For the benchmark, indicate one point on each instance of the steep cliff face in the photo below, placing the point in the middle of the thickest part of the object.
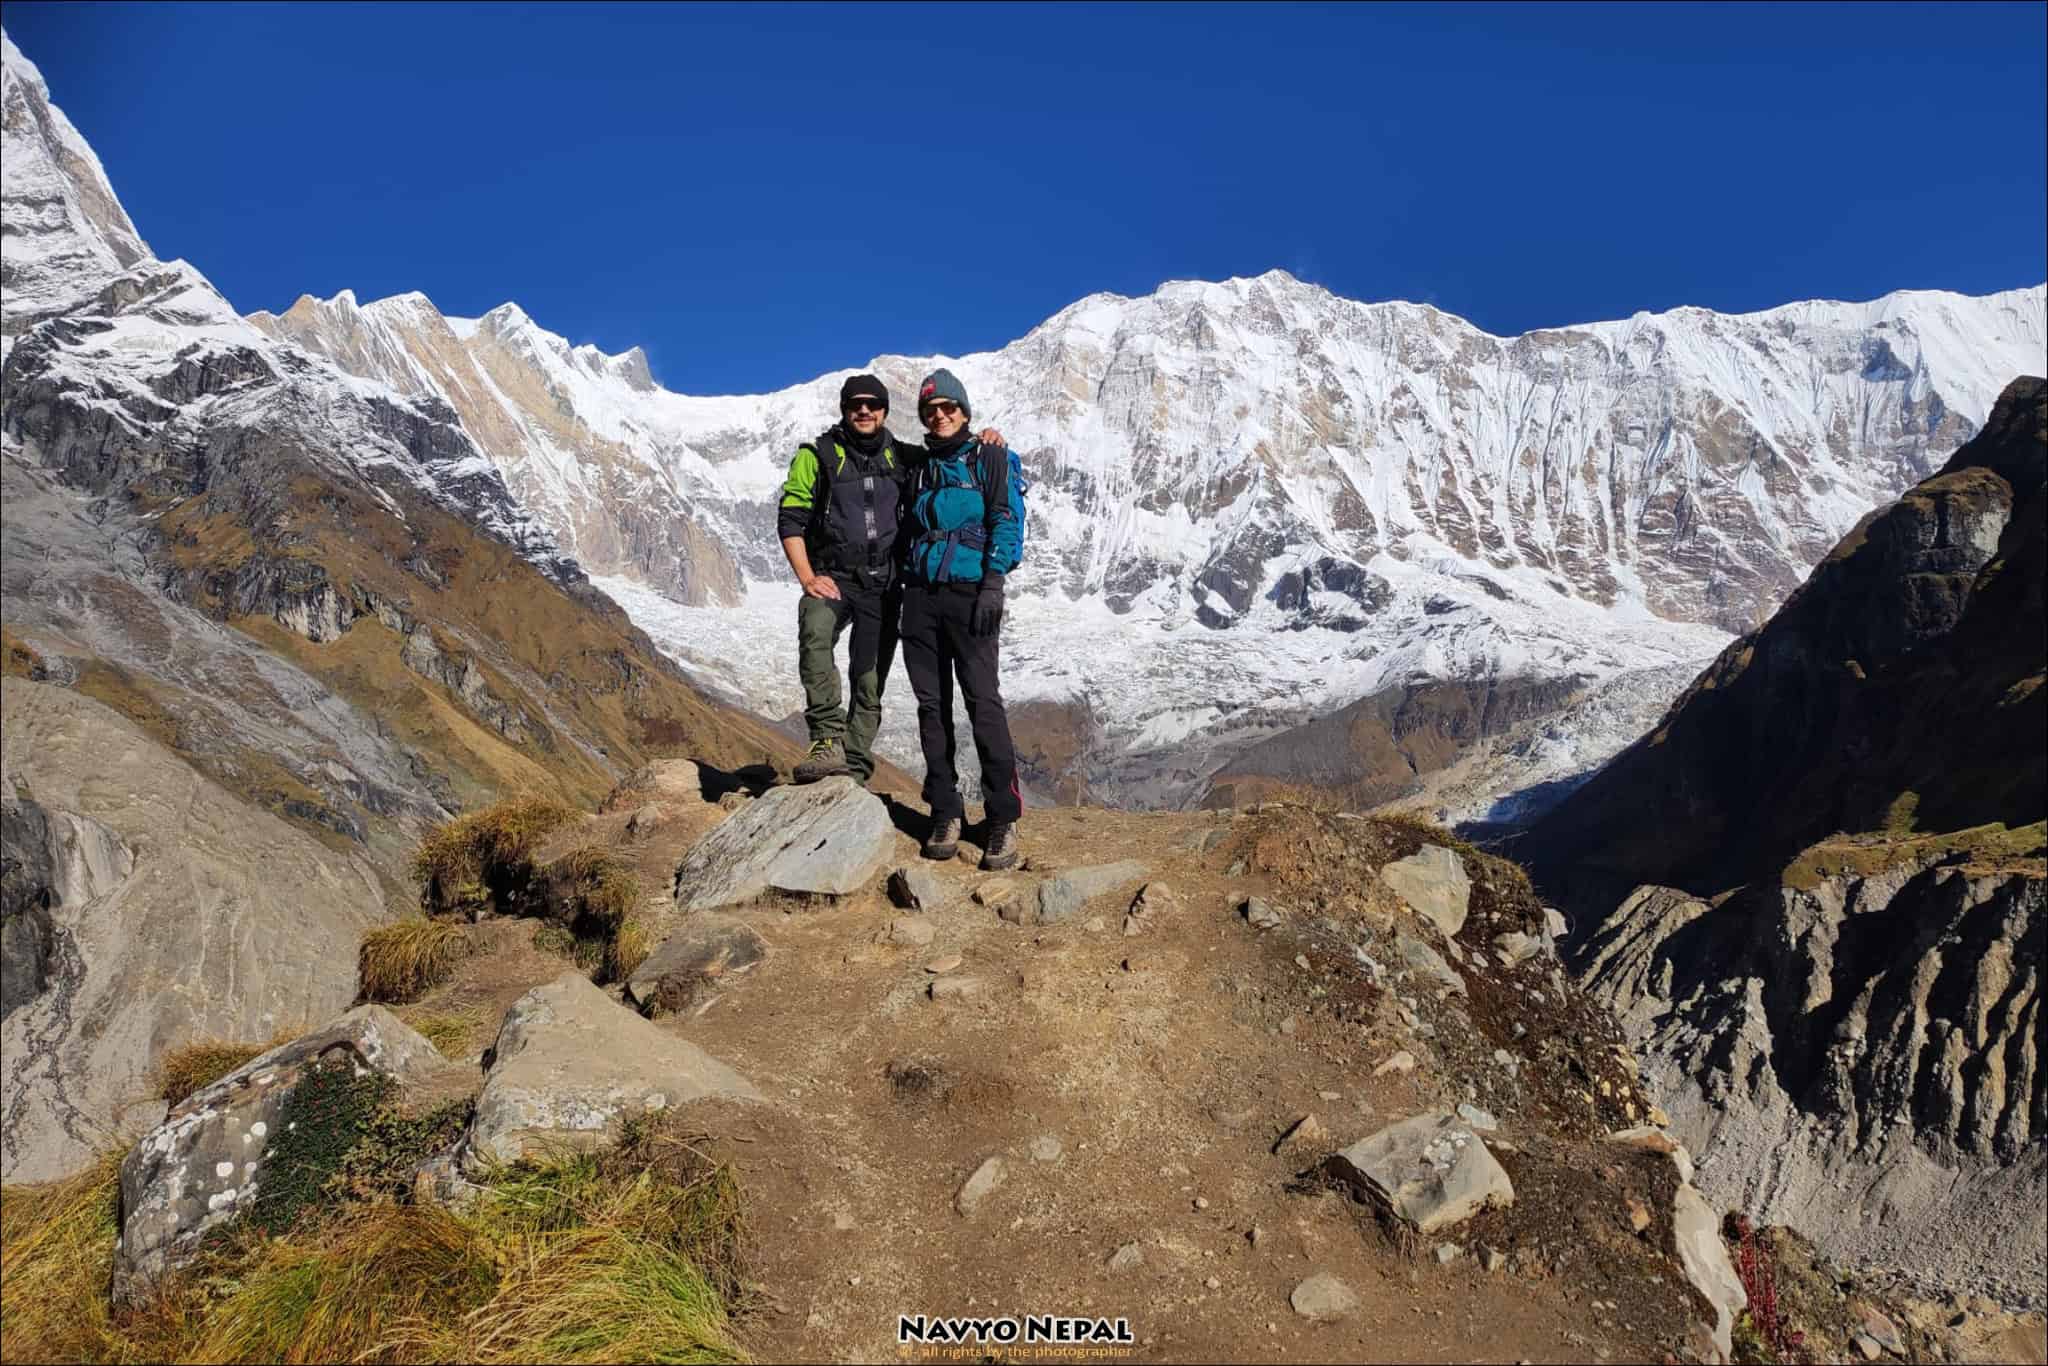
(1834, 952)
(1894, 690)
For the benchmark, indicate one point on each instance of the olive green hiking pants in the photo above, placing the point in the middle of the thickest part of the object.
(872, 614)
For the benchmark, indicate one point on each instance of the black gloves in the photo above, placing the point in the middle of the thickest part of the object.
(988, 607)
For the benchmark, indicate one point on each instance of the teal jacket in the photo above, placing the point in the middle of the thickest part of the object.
(960, 526)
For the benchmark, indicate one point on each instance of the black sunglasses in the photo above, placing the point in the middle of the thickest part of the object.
(867, 405)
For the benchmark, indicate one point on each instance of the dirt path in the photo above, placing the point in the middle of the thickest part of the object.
(1133, 1089)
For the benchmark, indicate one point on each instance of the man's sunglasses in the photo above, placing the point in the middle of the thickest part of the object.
(939, 405)
(867, 405)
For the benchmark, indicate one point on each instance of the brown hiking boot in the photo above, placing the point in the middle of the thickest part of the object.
(1000, 850)
(827, 759)
(944, 840)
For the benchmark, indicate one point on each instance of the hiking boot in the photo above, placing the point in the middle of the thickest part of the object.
(944, 841)
(1000, 851)
(827, 759)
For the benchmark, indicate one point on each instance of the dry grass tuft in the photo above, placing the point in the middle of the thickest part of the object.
(452, 1032)
(203, 1062)
(591, 883)
(482, 860)
(628, 949)
(399, 961)
(629, 1254)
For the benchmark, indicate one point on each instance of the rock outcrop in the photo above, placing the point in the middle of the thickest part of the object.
(1430, 1172)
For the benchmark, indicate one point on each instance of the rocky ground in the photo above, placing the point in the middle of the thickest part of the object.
(1165, 1072)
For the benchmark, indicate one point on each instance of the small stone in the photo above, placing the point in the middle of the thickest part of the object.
(1446, 1253)
(644, 820)
(1289, 1025)
(1638, 1215)
(1126, 1257)
(1305, 1135)
(1658, 1117)
(1867, 1346)
(917, 889)
(980, 1186)
(1095, 924)
(1329, 1095)
(1478, 1118)
(1323, 1298)
(1258, 1237)
(1494, 1259)
(912, 931)
(1201, 1203)
(995, 892)
(1259, 915)
(1046, 1148)
(944, 965)
(1403, 1061)
(955, 988)
(1213, 1283)
(1883, 1331)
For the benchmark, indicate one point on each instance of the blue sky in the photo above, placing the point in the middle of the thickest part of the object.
(763, 193)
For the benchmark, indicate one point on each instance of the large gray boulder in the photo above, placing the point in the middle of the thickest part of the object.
(207, 1162)
(175, 912)
(1063, 894)
(823, 839)
(570, 1066)
(710, 951)
(1431, 1171)
(1434, 882)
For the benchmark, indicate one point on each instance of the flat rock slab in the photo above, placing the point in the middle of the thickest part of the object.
(823, 839)
(1060, 896)
(978, 1187)
(568, 1068)
(1431, 1171)
(1433, 881)
(1696, 1230)
(206, 1162)
(708, 952)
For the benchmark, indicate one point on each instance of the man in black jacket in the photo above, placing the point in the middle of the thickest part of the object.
(837, 522)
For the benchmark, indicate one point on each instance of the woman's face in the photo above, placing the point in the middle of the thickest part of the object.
(942, 418)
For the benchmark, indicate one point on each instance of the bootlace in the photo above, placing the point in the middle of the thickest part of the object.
(819, 747)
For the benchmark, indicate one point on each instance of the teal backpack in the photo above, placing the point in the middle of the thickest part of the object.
(975, 536)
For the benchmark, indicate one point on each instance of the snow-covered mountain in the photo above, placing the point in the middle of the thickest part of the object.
(1257, 502)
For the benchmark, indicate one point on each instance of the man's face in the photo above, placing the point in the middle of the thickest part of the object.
(864, 413)
(942, 418)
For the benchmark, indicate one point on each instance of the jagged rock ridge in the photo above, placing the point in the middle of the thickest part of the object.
(1851, 1035)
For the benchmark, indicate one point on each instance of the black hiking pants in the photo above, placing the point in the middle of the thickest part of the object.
(937, 648)
(871, 612)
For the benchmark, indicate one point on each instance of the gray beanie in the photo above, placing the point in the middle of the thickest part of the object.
(943, 384)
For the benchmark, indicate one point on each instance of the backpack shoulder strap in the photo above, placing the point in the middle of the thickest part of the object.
(995, 483)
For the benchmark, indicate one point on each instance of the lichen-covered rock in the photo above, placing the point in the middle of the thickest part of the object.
(570, 1066)
(207, 1161)
(822, 839)
(1434, 882)
(1430, 1171)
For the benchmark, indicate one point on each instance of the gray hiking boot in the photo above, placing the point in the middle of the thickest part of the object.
(827, 759)
(1000, 851)
(944, 841)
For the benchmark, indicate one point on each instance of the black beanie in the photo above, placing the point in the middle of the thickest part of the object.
(863, 386)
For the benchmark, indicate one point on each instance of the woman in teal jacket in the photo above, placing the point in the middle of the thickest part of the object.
(963, 539)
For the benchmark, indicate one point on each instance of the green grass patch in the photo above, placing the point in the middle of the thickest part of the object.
(453, 1033)
(1996, 845)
